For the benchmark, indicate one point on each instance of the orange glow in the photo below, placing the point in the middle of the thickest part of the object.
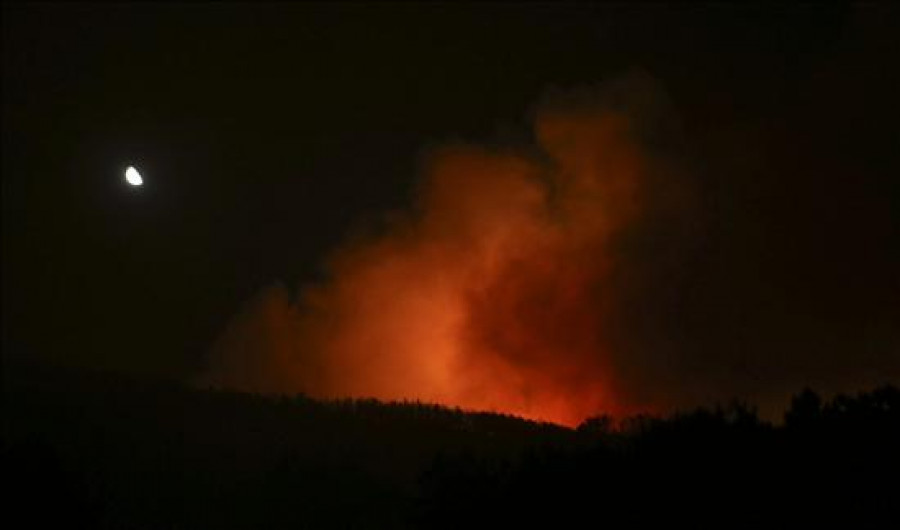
(493, 294)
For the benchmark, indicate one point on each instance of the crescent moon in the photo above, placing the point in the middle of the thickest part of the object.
(133, 177)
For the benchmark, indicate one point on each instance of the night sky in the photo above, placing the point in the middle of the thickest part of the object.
(274, 138)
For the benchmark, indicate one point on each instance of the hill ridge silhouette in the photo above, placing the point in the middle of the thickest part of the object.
(106, 450)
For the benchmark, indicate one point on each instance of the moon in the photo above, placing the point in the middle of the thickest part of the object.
(133, 177)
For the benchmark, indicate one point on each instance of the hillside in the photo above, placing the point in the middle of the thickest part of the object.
(109, 451)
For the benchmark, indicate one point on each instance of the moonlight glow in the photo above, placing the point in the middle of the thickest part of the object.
(133, 177)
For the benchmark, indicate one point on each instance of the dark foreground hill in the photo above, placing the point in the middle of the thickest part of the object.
(90, 450)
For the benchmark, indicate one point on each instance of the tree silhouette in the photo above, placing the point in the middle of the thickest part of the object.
(805, 409)
(104, 451)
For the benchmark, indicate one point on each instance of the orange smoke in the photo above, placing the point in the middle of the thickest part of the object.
(494, 293)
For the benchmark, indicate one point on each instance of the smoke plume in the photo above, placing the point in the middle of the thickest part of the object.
(577, 275)
(495, 292)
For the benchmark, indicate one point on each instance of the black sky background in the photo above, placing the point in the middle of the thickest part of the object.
(266, 134)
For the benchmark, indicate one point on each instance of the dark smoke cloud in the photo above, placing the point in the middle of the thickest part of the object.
(591, 272)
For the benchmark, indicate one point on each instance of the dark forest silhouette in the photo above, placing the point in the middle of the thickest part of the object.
(107, 451)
